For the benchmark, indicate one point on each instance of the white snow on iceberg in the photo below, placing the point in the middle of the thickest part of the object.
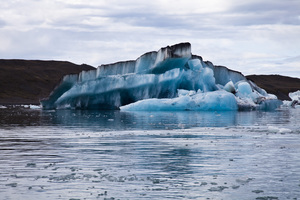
(169, 79)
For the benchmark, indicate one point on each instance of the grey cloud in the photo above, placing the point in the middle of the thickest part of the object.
(266, 5)
(151, 20)
(266, 12)
(97, 33)
(2, 23)
(245, 14)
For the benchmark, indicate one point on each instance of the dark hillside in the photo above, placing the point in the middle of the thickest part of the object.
(281, 86)
(28, 81)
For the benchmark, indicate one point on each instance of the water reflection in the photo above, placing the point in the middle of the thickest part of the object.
(75, 154)
(117, 120)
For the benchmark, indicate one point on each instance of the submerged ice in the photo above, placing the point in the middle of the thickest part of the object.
(169, 79)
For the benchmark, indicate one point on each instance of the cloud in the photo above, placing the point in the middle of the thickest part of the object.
(238, 34)
(266, 12)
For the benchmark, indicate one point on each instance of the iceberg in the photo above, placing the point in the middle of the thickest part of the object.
(171, 78)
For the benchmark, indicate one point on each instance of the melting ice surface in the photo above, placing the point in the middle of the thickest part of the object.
(170, 79)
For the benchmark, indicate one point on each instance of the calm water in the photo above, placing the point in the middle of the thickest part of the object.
(69, 154)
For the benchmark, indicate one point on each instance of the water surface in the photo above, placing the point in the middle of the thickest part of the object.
(72, 154)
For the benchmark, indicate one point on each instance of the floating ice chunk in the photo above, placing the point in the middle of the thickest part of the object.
(250, 99)
(244, 180)
(30, 106)
(269, 104)
(31, 165)
(295, 103)
(274, 129)
(34, 106)
(2, 107)
(295, 95)
(217, 189)
(285, 130)
(217, 100)
(286, 103)
(245, 104)
(12, 184)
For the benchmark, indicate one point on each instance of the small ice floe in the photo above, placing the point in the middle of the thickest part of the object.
(31, 165)
(235, 187)
(34, 106)
(30, 106)
(257, 191)
(243, 181)
(295, 100)
(2, 107)
(217, 189)
(274, 129)
(12, 184)
(267, 198)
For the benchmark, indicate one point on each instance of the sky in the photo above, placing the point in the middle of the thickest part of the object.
(253, 36)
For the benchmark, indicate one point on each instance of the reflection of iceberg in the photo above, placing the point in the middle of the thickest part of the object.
(103, 120)
(170, 79)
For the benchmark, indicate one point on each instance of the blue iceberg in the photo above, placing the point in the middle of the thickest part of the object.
(169, 79)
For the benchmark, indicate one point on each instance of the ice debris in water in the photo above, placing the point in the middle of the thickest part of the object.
(267, 198)
(12, 184)
(30, 165)
(274, 129)
(295, 100)
(30, 106)
(169, 79)
(217, 189)
(34, 106)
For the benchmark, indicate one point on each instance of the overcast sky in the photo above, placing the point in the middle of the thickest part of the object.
(252, 36)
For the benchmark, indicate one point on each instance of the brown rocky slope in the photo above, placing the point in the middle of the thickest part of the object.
(28, 81)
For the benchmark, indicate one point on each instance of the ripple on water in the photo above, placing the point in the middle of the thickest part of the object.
(67, 161)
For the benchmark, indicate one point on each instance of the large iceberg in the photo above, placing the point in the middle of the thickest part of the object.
(169, 79)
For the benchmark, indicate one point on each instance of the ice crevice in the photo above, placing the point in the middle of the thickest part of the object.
(171, 78)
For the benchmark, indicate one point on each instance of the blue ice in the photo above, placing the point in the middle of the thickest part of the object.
(169, 79)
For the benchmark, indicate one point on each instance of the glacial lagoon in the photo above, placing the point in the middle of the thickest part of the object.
(89, 154)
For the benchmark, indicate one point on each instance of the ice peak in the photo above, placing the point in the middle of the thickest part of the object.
(178, 50)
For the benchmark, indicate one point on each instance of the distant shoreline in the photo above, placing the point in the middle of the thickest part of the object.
(24, 82)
